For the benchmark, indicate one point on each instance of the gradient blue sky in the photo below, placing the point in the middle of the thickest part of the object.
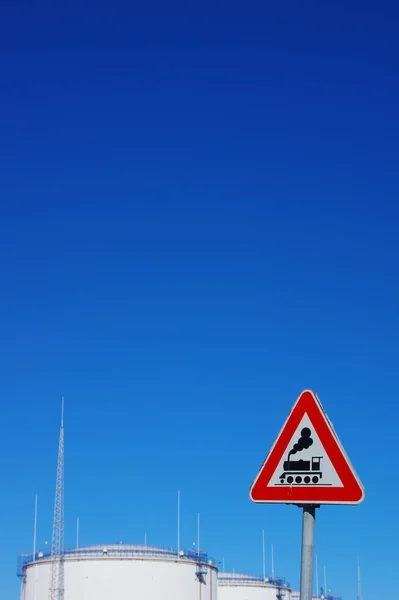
(199, 218)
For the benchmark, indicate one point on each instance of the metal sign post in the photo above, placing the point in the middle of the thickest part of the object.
(308, 522)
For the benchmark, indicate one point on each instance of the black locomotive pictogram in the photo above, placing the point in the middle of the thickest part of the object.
(297, 472)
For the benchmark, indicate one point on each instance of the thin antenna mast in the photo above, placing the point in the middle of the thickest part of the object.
(198, 535)
(34, 545)
(325, 580)
(77, 532)
(272, 561)
(56, 591)
(359, 585)
(34, 529)
(263, 555)
(317, 578)
(178, 523)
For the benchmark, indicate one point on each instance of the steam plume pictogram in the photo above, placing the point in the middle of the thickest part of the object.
(304, 442)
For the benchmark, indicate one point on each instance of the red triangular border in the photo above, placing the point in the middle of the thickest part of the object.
(352, 491)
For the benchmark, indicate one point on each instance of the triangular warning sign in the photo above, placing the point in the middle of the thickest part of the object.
(307, 464)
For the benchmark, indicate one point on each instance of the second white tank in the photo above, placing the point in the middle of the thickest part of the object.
(238, 586)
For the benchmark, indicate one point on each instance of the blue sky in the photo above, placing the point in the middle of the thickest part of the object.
(199, 216)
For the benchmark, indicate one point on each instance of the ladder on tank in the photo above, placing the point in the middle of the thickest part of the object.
(201, 571)
(280, 594)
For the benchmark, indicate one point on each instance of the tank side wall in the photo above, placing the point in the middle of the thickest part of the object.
(248, 592)
(118, 579)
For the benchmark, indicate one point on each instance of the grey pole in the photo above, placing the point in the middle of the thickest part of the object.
(309, 514)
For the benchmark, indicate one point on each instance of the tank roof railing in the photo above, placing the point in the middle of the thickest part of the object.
(252, 579)
(120, 551)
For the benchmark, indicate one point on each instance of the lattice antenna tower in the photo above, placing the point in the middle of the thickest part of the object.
(56, 591)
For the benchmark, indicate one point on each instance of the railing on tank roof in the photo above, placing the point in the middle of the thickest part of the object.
(296, 596)
(118, 550)
(255, 579)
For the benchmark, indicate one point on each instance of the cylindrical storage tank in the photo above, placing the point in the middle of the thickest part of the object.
(237, 586)
(122, 572)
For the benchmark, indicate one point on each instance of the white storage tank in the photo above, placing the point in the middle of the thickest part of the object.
(237, 586)
(123, 572)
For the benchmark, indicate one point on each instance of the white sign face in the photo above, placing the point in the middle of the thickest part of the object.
(305, 461)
